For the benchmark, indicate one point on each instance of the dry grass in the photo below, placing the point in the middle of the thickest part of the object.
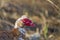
(42, 12)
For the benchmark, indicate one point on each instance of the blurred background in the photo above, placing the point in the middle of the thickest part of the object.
(44, 13)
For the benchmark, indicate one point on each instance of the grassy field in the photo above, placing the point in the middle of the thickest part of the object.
(44, 13)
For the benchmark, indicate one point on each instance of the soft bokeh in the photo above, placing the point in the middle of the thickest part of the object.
(44, 13)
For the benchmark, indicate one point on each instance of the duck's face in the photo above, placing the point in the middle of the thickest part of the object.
(22, 22)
